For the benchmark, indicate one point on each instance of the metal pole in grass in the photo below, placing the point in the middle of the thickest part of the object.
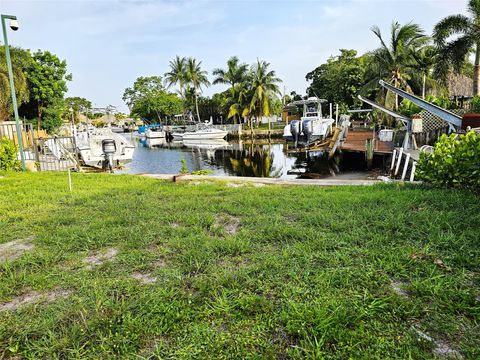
(69, 180)
(14, 27)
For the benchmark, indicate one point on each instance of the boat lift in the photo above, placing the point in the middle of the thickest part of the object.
(454, 121)
(408, 141)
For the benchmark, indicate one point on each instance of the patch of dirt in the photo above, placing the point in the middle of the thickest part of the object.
(259, 184)
(99, 257)
(235, 185)
(397, 288)
(175, 225)
(145, 279)
(228, 222)
(14, 249)
(160, 263)
(444, 350)
(441, 349)
(34, 297)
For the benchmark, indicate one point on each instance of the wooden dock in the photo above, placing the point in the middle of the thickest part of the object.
(356, 140)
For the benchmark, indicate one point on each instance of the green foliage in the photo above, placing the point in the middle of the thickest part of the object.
(340, 79)
(148, 99)
(202, 172)
(21, 60)
(409, 109)
(78, 105)
(184, 168)
(8, 155)
(47, 78)
(475, 104)
(455, 162)
(456, 37)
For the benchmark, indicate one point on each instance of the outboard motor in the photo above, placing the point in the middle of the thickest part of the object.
(296, 130)
(109, 147)
(307, 128)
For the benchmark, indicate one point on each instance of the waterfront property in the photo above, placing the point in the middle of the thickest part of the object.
(124, 266)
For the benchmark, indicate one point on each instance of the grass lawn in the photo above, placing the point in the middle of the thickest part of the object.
(131, 267)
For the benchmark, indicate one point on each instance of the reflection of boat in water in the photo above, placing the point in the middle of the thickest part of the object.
(312, 125)
(155, 132)
(209, 144)
(203, 132)
(103, 148)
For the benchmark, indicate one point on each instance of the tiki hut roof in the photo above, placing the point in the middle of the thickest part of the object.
(459, 85)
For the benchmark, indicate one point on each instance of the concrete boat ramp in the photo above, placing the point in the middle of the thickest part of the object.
(256, 181)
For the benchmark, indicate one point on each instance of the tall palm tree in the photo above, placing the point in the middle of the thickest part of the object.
(239, 98)
(456, 51)
(392, 61)
(264, 89)
(233, 75)
(425, 60)
(177, 74)
(196, 78)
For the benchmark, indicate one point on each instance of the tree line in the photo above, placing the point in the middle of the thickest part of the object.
(407, 58)
(253, 92)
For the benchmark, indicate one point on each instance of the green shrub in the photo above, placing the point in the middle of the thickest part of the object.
(8, 155)
(475, 105)
(455, 162)
(202, 172)
(184, 169)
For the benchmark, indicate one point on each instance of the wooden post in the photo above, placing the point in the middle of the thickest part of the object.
(369, 143)
(399, 161)
(336, 116)
(405, 167)
(412, 174)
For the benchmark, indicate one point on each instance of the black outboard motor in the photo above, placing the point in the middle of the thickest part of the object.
(109, 147)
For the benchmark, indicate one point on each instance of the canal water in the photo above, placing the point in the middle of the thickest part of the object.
(241, 158)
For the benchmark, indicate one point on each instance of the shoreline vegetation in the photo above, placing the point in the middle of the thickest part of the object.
(443, 67)
(130, 267)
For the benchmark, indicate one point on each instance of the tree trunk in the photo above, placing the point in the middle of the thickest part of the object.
(424, 82)
(476, 72)
(39, 118)
(196, 105)
(395, 81)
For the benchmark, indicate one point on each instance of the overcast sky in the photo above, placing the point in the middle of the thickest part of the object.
(108, 44)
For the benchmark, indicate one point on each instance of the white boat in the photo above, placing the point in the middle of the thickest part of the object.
(204, 132)
(155, 132)
(312, 125)
(102, 148)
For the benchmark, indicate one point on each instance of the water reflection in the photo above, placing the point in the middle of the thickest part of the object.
(259, 159)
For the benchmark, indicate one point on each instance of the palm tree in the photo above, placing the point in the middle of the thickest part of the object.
(239, 99)
(456, 51)
(177, 74)
(392, 62)
(264, 90)
(425, 60)
(233, 75)
(196, 77)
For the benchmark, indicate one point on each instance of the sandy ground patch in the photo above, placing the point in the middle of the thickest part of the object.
(34, 297)
(145, 279)
(228, 222)
(397, 287)
(99, 257)
(441, 349)
(14, 249)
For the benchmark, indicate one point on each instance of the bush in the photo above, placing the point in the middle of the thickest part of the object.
(475, 105)
(8, 155)
(455, 162)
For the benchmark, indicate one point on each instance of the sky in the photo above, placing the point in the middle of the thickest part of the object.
(109, 43)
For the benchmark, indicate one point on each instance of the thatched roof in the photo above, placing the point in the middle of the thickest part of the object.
(459, 85)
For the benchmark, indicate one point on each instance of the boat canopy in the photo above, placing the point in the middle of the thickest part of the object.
(310, 100)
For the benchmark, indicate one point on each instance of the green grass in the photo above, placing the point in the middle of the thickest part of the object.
(307, 275)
